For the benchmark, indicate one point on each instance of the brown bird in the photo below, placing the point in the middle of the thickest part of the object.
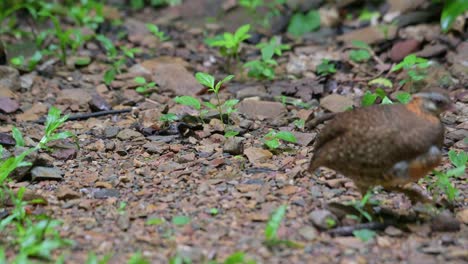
(387, 145)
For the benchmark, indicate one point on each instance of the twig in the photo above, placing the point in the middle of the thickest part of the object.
(89, 115)
(319, 120)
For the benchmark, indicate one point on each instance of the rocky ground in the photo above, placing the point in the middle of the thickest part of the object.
(121, 190)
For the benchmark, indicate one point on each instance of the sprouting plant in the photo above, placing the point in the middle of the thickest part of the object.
(452, 9)
(415, 68)
(137, 258)
(299, 123)
(443, 183)
(326, 68)
(272, 138)
(251, 5)
(364, 234)
(360, 206)
(156, 32)
(169, 117)
(93, 259)
(32, 237)
(273, 47)
(367, 15)
(264, 68)
(361, 52)
(144, 86)
(191, 102)
(272, 227)
(227, 107)
(370, 98)
(304, 23)
(230, 43)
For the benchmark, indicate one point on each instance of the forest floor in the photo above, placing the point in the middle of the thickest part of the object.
(182, 189)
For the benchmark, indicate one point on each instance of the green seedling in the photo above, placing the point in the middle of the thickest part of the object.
(93, 259)
(326, 68)
(443, 183)
(414, 67)
(157, 33)
(272, 227)
(169, 117)
(364, 234)
(301, 24)
(273, 47)
(227, 107)
(299, 123)
(122, 207)
(264, 68)
(367, 15)
(230, 43)
(155, 221)
(272, 139)
(370, 98)
(181, 220)
(452, 9)
(144, 87)
(251, 5)
(361, 52)
(193, 103)
(360, 206)
(137, 258)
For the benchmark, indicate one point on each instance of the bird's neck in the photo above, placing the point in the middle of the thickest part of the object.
(416, 106)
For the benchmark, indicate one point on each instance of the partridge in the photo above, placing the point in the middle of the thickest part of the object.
(388, 145)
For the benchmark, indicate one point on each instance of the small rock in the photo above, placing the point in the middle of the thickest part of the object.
(255, 109)
(6, 139)
(123, 222)
(129, 134)
(445, 222)
(71, 96)
(430, 51)
(257, 155)
(304, 139)
(111, 131)
(323, 219)
(403, 48)
(393, 231)
(65, 193)
(9, 78)
(98, 103)
(64, 153)
(463, 216)
(106, 193)
(458, 134)
(8, 105)
(234, 145)
(39, 173)
(149, 117)
(308, 232)
(369, 35)
(336, 103)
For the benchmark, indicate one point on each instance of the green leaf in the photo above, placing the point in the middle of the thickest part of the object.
(403, 97)
(299, 123)
(360, 44)
(210, 105)
(188, 101)
(139, 80)
(241, 33)
(226, 79)
(457, 172)
(82, 61)
(109, 76)
(364, 234)
(181, 220)
(231, 133)
(301, 24)
(137, 258)
(386, 100)
(230, 103)
(381, 82)
(458, 159)
(18, 137)
(155, 221)
(359, 55)
(235, 258)
(368, 99)
(273, 143)
(452, 9)
(205, 79)
(286, 136)
(169, 117)
(273, 224)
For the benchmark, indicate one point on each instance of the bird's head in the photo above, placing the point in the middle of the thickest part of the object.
(433, 102)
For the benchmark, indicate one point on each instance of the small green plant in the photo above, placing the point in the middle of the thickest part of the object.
(367, 15)
(443, 183)
(122, 207)
(364, 234)
(191, 102)
(301, 24)
(272, 138)
(299, 123)
(227, 107)
(169, 117)
(452, 9)
(230, 43)
(264, 68)
(361, 52)
(251, 5)
(180, 220)
(137, 258)
(326, 68)
(415, 68)
(273, 47)
(144, 87)
(272, 227)
(370, 98)
(360, 207)
(155, 221)
(93, 259)
(157, 33)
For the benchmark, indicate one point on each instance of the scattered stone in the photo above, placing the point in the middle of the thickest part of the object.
(65, 193)
(64, 153)
(458, 134)
(255, 109)
(403, 48)
(111, 131)
(336, 103)
(129, 134)
(370, 35)
(39, 173)
(234, 145)
(8, 105)
(171, 75)
(98, 103)
(445, 222)
(106, 193)
(9, 78)
(393, 231)
(257, 155)
(37, 110)
(430, 51)
(6, 139)
(463, 216)
(79, 96)
(123, 222)
(149, 117)
(308, 232)
(323, 219)
(304, 139)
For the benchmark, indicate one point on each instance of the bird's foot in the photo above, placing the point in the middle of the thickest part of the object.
(414, 193)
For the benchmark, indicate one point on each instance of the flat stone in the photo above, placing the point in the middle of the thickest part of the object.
(304, 139)
(403, 48)
(8, 105)
(255, 109)
(322, 218)
(106, 193)
(65, 193)
(463, 216)
(257, 155)
(129, 134)
(39, 173)
(369, 35)
(77, 96)
(336, 103)
(234, 145)
(10, 78)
